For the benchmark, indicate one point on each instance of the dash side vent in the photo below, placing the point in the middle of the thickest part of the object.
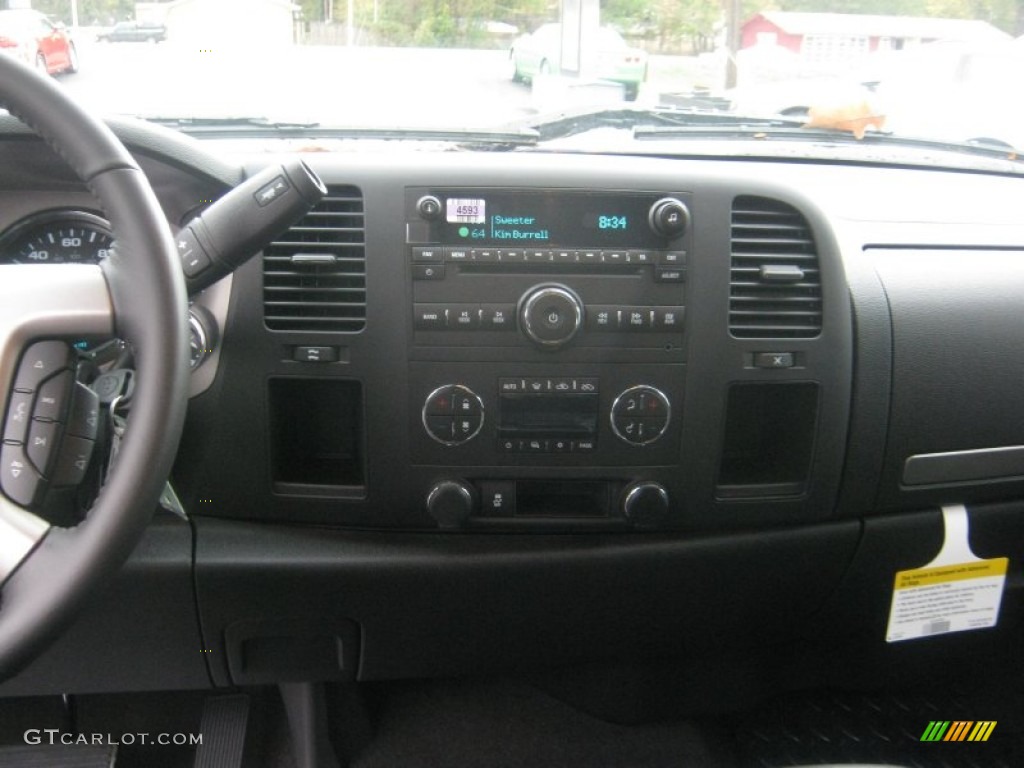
(775, 279)
(314, 275)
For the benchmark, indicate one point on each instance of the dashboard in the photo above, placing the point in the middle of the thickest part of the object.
(602, 396)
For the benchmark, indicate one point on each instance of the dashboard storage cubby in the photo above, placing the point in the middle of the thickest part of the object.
(316, 435)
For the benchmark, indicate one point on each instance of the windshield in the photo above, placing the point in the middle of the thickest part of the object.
(911, 68)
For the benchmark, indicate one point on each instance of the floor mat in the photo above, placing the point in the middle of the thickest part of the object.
(831, 727)
(509, 724)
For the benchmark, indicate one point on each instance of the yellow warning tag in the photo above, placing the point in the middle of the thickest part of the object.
(953, 593)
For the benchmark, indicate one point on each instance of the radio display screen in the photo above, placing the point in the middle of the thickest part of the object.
(544, 219)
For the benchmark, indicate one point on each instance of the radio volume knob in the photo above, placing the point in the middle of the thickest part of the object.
(669, 217)
(550, 315)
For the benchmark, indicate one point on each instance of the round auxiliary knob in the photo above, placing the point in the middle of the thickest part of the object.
(451, 502)
(669, 217)
(645, 504)
(550, 315)
(429, 208)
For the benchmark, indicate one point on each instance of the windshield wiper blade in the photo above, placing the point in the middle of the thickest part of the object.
(240, 127)
(564, 125)
(795, 132)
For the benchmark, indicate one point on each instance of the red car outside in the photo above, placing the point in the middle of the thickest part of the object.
(33, 38)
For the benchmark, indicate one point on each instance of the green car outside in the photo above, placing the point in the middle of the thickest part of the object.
(538, 54)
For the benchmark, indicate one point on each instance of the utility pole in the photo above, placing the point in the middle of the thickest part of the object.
(74, 14)
(733, 10)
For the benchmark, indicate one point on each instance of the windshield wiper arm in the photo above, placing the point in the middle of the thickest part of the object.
(232, 127)
(564, 125)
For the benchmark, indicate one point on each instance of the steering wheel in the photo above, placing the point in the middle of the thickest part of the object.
(138, 294)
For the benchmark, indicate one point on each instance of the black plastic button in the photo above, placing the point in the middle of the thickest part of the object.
(429, 317)
(498, 317)
(41, 361)
(508, 445)
(639, 257)
(466, 424)
(587, 385)
(484, 255)
(562, 256)
(428, 254)
(560, 445)
(537, 256)
(316, 354)
(507, 386)
(441, 427)
(773, 359)
(84, 416)
(194, 258)
(73, 460)
(270, 191)
(673, 259)
(670, 275)
(41, 445)
(440, 404)
(464, 317)
(428, 271)
(613, 257)
(52, 400)
(534, 445)
(19, 413)
(588, 445)
(602, 318)
(457, 254)
(669, 318)
(635, 319)
(511, 256)
(498, 497)
(19, 479)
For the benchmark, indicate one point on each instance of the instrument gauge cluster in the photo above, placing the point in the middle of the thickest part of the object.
(64, 236)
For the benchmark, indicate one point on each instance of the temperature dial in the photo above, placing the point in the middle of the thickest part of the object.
(640, 415)
(453, 414)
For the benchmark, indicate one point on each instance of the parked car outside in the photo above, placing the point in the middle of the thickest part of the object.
(134, 32)
(35, 39)
(539, 54)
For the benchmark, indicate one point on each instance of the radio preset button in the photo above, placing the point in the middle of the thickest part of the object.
(464, 317)
(511, 256)
(498, 317)
(484, 255)
(537, 256)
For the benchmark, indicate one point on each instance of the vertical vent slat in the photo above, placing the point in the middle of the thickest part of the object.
(327, 294)
(768, 234)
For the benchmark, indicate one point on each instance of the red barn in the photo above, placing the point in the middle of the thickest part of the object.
(837, 37)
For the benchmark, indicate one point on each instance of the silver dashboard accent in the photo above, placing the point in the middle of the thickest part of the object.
(20, 532)
(214, 300)
(626, 393)
(463, 390)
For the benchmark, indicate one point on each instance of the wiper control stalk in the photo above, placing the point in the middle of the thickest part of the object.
(242, 222)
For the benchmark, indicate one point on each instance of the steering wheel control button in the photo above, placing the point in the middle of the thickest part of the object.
(72, 461)
(84, 416)
(19, 414)
(550, 315)
(41, 445)
(453, 414)
(640, 415)
(41, 361)
(21, 483)
(669, 217)
(52, 400)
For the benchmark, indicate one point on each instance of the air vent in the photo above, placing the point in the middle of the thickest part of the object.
(775, 282)
(314, 275)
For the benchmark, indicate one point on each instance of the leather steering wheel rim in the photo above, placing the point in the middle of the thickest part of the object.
(143, 290)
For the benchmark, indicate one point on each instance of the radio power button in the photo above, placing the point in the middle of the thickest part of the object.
(550, 315)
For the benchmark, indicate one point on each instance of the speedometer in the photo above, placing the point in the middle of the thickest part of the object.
(57, 237)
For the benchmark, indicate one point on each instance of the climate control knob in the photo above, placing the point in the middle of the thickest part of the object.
(550, 315)
(640, 415)
(453, 414)
(645, 504)
(451, 502)
(669, 217)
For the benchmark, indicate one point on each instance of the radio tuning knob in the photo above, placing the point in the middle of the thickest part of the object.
(429, 208)
(550, 315)
(451, 502)
(669, 217)
(645, 504)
